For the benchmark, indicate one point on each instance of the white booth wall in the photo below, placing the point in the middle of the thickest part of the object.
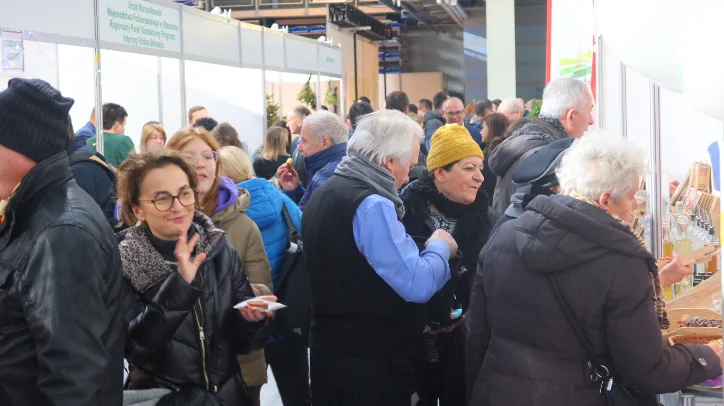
(686, 133)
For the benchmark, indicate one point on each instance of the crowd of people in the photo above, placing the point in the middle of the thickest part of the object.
(429, 253)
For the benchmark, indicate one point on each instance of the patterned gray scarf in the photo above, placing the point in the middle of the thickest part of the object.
(359, 167)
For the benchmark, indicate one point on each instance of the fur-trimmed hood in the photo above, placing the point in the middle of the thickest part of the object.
(143, 266)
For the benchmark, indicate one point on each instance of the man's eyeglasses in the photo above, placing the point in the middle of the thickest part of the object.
(164, 200)
(208, 156)
(455, 113)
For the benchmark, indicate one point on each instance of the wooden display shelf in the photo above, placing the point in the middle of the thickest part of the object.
(701, 296)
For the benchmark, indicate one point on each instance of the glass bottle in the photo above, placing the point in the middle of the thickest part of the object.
(682, 246)
(713, 265)
(668, 253)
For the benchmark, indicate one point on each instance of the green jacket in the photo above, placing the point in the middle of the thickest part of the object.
(115, 149)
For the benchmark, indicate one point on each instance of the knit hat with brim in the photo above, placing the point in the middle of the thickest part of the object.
(540, 168)
(451, 143)
(34, 119)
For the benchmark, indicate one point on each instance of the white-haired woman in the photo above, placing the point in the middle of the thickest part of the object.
(577, 248)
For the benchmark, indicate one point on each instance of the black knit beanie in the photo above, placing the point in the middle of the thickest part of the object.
(34, 119)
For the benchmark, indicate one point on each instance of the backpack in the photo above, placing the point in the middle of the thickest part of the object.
(293, 287)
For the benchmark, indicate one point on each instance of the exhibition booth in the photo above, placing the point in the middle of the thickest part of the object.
(157, 59)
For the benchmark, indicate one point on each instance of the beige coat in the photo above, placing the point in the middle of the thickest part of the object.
(244, 235)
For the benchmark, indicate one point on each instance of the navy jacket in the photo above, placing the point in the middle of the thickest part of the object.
(472, 129)
(97, 180)
(86, 132)
(320, 168)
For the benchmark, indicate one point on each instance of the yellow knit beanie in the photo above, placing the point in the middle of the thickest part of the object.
(449, 144)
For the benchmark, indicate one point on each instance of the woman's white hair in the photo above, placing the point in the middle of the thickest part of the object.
(596, 164)
(326, 124)
(385, 134)
(563, 94)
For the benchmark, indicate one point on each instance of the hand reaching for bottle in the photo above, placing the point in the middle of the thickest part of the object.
(187, 266)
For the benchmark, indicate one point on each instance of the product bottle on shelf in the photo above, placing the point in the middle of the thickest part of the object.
(713, 266)
(697, 242)
(682, 246)
(668, 253)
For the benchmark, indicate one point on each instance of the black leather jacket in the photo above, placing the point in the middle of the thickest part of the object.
(182, 335)
(61, 332)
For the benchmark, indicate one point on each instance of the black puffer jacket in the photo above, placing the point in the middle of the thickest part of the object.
(61, 331)
(522, 351)
(164, 314)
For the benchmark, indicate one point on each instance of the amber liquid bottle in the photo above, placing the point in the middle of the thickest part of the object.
(668, 253)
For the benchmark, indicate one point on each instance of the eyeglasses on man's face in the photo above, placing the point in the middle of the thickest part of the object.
(164, 200)
(455, 113)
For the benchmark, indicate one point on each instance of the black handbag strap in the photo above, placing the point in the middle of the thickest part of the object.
(600, 370)
(292, 232)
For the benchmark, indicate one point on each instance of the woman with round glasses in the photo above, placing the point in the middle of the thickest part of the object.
(226, 204)
(182, 279)
(153, 136)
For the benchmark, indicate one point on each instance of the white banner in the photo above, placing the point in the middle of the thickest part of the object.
(13, 51)
(140, 24)
(571, 39)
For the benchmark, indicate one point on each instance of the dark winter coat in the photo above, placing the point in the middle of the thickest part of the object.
(94, 176)
(320, 167)
(522, 350)
(61, 287)
(506, 156)
(164, 314)
(474, 224)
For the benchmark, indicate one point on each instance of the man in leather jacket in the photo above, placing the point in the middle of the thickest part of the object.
(61, 327)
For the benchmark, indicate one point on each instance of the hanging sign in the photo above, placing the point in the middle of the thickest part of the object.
(140, 24)
(571, 40)
(13, 51)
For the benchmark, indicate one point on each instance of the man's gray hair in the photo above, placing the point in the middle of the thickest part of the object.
(563, 94)
(301, 112)
(596, 164)
(326, 124)
(385, 134)
(511, 105)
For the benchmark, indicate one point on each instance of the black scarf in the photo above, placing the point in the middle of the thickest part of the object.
(472, 228)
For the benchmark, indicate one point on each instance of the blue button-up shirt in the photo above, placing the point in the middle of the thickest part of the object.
(394, 256)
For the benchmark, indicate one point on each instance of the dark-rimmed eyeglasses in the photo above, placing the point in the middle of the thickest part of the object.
(164, 200)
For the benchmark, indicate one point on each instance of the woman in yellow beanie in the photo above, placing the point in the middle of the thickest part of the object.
(448, 196)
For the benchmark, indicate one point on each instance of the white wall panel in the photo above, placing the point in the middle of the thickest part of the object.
(251, 45)
(77, 81)
(330, 60)
(301, 54)
(173, 116)
(73, 18)
(210, 38)
(274, 50)
(41, 62)
(232, 95)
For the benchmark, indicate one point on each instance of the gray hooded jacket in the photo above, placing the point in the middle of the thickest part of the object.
(506, 156)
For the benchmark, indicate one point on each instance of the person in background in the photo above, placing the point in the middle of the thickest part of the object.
(324, 144)
(484, 108)
(206, 123)
(566, 112)
(577, 245)
(365, 99)
(153, 136)
(357, 110)
(529, 106)
(227, 135)
(274, 153)
(448, 196)
(196, 113)
(398, 101)
(116, 145)
(286, 353)
(454, 111)
(512, 109)
(182, 278)
(470, 117)
(92, 174)
(415, 118)
(89, 129)
(368, 279)
(496, 103)
(226, 205)
(295, 118)
(411, 108)
(434, 119)
(492, 134)
(62, 334)
(424, 105)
